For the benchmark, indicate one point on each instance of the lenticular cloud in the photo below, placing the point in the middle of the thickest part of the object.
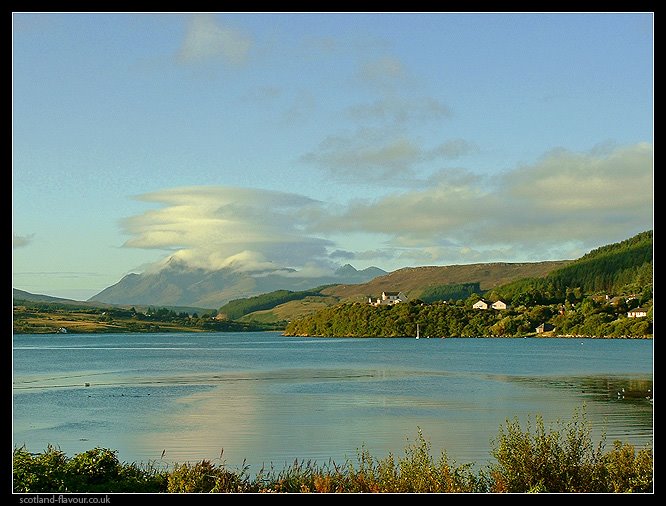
(216, 227)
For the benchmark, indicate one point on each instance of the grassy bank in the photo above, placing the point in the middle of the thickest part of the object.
(562, 458)
(52, 318)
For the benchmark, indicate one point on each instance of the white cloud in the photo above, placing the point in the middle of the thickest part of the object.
(206, 39)
(451, 149)
(374, 155)
(564, 202)
(216, 227)
(366, 150)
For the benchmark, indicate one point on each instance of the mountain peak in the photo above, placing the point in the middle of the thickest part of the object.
(346, 270)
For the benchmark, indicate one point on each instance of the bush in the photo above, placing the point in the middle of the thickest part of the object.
(204, 476)
(565, 460)
(628, 471)
(91, 469)
(96, 470)
(45, 472)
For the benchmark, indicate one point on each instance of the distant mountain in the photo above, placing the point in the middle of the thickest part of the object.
(349, 274)
(178, 284)
(35, 297)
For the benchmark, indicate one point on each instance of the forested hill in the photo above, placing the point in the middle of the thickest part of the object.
(622, 268)
(612, 268)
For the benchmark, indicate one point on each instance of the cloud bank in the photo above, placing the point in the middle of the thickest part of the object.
(564, 202)
(559, 207)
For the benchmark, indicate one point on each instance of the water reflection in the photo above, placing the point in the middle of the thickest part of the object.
(598, 387)
(271, 399)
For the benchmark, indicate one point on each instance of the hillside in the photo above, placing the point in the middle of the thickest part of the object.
(71, 317)
(413, 281)
(240, 307)
(611, 268)
(593, 296)
(35, 297)
(623, 268)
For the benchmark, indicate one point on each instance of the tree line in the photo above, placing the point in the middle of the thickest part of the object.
(441, 319)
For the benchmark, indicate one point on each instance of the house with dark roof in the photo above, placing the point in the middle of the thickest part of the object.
(545, 327)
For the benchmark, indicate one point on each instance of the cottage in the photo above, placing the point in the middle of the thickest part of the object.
(499, 305)
(544, 327)
(638, 312)
(485, 304)
(388, 298)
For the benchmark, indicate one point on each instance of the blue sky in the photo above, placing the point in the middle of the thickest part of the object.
(313, 140)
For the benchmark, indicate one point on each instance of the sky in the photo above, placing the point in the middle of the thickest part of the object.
(313, 140)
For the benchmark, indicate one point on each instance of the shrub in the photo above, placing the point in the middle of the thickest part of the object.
(204, 476)
(565, 461)
(94, 467)
(96, 470)
(45, 472)
(628, 471)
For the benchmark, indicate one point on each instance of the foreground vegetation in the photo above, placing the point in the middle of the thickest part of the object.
(563, 458)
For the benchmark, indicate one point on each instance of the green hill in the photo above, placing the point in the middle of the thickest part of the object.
(427, 283)
(623, 268)
(237, 308)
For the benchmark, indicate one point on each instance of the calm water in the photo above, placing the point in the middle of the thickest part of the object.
(268, 398)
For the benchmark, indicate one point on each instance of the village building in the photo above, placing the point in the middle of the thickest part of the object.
(544, 327)
(638, 312)
(499, 305)
(485, 304)
(388, 298)
(481, 304)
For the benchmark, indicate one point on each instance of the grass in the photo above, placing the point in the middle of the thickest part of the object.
(562, 459)
(34, 321)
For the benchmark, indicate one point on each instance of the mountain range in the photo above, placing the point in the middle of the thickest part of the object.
(181, 285)
(178, 284)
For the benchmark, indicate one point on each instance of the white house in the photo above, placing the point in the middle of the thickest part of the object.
(485, 304)
(388, 298)
(481, 304)
(638, 312)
